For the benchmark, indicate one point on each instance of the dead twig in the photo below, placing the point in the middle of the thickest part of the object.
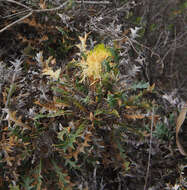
(52, 9)
(93, 2)
(15, 22)
(31, 11)
(150, 150)
(15, 14)
(18, 3)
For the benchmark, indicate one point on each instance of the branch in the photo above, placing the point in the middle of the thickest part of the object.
(52, 9)
(15, 14)
(31, 11)
(150, 150)
(18, 3)
(15, 22)
(93, 2)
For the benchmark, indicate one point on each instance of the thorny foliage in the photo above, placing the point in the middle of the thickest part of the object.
(71, 132)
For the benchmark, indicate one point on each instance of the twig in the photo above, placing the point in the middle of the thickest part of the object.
(18, 3)
(152, 52)
(15, 14)
(172, 82)
(30, 13)
(93, 2)
(52, 9)
(15, 22)
(130, 41)
(150, 149)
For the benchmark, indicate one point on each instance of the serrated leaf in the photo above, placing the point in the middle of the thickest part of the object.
(140, 85)
(98, 112)
(115, 112)
(112, 101)
(11, 115)
(56, 114)
(71, 164)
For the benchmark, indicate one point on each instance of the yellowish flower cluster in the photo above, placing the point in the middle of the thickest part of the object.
(92, 64)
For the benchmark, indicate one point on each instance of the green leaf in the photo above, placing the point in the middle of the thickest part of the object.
(98, 112)
(71, 164)
(56, 114)
(115, 54)
(112, 101)
(140, 85)
(68, 138)
(61, 176)
(13, 187)
(28, 183)
(80, 129)
(63, 32)
(61, 91)
(106, 65)
(115, 112)
(39, 176)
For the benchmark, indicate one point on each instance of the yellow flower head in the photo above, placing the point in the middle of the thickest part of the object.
(92, 65)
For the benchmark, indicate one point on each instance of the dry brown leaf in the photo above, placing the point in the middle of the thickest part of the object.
(42, 4)
(134, 117)
(155, 118)
(179, 123)
(32, 22)
(130, 107)
(43, 38)
(50, 106)
(151, 88)
(16, 120)
(91, 117)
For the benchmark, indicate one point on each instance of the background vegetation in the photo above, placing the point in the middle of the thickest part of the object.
(90, 93)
